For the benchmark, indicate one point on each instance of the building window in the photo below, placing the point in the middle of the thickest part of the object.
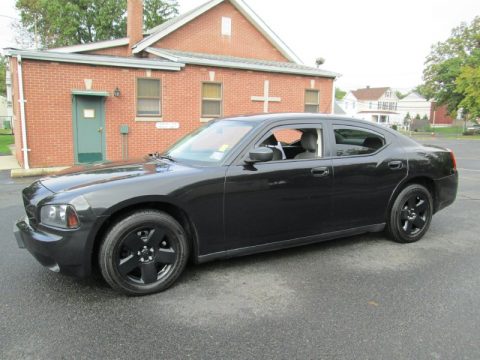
(312, 101)
(149, 97)
(226, 26)
(211, 100)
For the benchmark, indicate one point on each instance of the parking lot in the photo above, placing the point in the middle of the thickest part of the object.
(363, 297)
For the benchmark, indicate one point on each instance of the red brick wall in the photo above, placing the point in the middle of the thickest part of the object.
(134, 21)
(48, 89)
(203, 35)
(114, 51)
(441, 115)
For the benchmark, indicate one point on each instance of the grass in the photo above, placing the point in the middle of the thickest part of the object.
(448, 132)
(6, 139)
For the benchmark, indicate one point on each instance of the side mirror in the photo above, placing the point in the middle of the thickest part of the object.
(260, 154)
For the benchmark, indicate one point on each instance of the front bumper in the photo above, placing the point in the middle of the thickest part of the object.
(60, 251)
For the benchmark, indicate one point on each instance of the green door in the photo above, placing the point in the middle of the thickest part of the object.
(89, 123)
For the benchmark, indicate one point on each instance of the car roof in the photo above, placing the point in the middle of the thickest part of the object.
(274, 117)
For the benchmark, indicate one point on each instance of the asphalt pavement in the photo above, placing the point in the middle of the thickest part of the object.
(362, 297)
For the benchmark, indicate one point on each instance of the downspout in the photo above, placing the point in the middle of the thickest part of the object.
(333, 96)
(21, 100)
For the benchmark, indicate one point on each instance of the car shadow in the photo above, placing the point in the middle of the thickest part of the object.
(96, 288)
(193, 271)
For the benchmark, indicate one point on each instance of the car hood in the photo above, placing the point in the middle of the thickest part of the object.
(82, 176)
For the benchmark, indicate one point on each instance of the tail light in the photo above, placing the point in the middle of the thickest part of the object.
(454, 161)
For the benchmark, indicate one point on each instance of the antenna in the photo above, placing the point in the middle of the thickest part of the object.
(319, 61)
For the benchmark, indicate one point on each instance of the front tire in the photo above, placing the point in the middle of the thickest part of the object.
(143, 253)
(411, 214)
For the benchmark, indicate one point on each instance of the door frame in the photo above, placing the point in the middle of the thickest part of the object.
(74, 124)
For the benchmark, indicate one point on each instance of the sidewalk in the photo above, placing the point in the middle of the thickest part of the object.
(8, 162)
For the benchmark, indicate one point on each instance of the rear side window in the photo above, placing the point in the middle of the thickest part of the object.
(354, 141)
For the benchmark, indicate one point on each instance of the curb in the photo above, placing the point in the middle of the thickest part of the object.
(19, 173)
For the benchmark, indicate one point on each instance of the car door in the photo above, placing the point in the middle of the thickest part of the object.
(367, 167)
(281, 199)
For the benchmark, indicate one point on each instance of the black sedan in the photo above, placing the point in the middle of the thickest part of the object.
(234, 187)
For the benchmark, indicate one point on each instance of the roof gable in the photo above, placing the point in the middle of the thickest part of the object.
(413, 96)
(370, 93)
(165, 29)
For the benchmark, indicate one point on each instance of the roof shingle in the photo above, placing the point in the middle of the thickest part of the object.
(369, 93)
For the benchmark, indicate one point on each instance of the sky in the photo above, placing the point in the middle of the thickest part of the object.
(369, 42)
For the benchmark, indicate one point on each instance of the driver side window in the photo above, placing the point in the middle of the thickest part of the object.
(294, 143)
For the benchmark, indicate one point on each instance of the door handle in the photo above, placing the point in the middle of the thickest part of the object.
(395, 164)
(100, 129)
(320, 171)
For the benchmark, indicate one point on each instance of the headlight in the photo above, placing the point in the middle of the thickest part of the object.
(61, 216)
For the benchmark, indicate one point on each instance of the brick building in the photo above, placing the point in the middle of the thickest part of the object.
(439, 115)
(123, 98)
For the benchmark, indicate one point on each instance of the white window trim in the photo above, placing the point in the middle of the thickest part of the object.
(226, 26)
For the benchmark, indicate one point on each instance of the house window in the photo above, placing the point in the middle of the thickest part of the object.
(226, 26)
(312, 101)
(149, 97)
(211, 100)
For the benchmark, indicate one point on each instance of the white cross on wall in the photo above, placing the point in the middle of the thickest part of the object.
(266, 98)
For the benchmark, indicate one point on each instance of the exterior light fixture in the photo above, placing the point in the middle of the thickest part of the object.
(116, 92)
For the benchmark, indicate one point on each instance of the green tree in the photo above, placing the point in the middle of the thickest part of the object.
(339, 93)
(447, 61)
(158, 11)
(400, 95)
(69, 22)
(468, 84)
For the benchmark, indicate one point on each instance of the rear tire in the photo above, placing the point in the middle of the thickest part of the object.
(143, 253)
(411, 214)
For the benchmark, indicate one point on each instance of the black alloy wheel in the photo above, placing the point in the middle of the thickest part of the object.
(144, 253)
(411, 214)
(414, 213)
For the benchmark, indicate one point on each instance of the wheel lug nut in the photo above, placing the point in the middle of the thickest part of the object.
(150, 258)
(151, 249)
(142, 259)
(138, 253)
(164, 243)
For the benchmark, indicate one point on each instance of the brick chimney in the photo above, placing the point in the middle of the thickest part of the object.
(134, 21)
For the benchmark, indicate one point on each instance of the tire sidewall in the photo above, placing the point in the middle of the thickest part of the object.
(393, 224)
(113, 240)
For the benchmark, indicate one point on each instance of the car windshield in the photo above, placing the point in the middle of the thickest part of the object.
(210, 144)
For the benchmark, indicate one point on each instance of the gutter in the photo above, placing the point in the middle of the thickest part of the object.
(22, 101)
(96, 60)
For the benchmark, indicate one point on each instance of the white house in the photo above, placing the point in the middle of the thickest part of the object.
(3, 111)
(373, 104)
(414, 104)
